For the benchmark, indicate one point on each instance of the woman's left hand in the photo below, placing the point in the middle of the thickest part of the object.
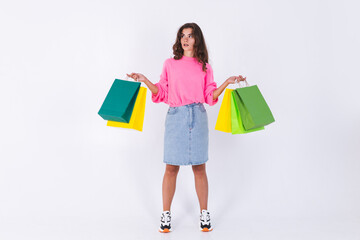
(235, 79)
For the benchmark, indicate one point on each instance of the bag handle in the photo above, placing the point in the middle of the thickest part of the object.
(126, 77)
(238, 83)
(247, 84)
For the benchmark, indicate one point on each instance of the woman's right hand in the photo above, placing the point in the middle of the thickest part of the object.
(137, 77)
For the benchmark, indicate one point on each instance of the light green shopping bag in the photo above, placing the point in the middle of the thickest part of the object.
(236, 122)
(252, 106)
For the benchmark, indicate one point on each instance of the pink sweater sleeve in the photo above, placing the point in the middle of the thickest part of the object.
(162, 95)
(210, 86)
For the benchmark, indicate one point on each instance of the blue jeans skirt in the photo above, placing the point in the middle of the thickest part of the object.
(186, 138)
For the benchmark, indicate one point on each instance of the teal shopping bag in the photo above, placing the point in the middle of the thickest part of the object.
(253, 108)
(120, 100)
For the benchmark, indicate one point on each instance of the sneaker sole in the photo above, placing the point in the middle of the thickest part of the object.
(165, 230)
(206, 229)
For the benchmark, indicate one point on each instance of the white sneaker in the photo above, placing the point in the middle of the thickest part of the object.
(165, 222)
(205, 224)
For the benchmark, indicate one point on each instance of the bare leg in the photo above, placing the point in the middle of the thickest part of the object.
(201, 184)
(169, 185)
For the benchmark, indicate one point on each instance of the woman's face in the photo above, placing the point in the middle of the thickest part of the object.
(187, 39)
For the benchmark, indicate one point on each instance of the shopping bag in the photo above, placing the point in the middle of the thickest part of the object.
(120, 100)
(236, 122)
(223, 122)
(137, 117)
(253, 108)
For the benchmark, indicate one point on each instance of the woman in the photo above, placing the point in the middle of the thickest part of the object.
(186, 82)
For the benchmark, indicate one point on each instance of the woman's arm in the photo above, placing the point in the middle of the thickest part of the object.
(231, 80)
(153, 88)
(141, 78)
(217, 92)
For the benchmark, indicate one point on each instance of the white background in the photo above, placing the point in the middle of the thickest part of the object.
(64, 174)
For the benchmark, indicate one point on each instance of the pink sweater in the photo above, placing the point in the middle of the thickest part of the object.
(183, 82)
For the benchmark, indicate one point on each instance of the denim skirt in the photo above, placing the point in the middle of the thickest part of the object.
(186, 138)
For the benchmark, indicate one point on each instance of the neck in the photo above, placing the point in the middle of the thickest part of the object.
(189, 53)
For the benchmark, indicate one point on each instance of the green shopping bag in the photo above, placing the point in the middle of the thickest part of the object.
(120, 100)
(252, 106)
(236, 122)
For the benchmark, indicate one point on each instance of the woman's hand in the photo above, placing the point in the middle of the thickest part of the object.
(141, 78)
(235, 79)
(137, 77)
(230, 80)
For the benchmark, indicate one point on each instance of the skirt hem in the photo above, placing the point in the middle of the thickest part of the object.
(187, 164)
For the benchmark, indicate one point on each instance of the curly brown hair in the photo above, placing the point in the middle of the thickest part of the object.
(200, 50)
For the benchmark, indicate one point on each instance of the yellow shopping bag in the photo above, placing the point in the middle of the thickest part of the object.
(223, 122)
(137, 116)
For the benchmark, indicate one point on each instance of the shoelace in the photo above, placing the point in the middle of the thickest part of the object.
(205, 217)
(166, 218)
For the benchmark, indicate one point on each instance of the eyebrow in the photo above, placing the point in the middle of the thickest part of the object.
(188, 34)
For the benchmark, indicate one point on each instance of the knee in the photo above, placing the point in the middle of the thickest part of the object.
(172, 170)
(199, 169)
